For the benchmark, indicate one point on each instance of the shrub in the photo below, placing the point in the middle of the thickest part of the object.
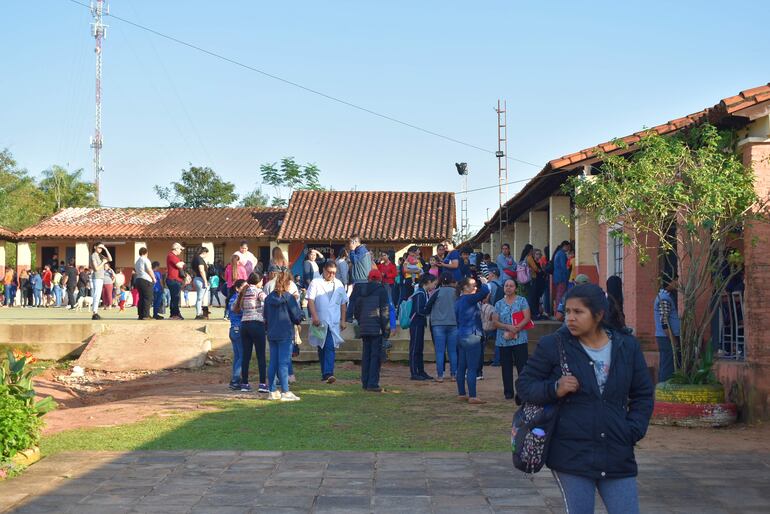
(16, 375)
(19, 425)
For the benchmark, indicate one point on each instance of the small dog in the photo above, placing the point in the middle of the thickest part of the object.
(83, 302)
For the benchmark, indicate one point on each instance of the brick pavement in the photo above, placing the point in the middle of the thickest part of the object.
(229, 482)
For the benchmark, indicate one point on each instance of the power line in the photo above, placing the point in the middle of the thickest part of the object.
(514, 182)
(308, 89)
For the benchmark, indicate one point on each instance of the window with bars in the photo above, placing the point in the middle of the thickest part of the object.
(614, 253)
(191, 250)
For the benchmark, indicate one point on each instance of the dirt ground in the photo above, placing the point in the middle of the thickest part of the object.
(99, 399)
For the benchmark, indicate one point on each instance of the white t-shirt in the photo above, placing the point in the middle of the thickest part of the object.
(141, 271)
(248, 260)
(270, 286)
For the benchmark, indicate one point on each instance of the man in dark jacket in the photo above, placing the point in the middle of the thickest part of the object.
(373, 314)
(360, 265)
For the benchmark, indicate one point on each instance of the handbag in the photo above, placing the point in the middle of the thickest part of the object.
(533, 426)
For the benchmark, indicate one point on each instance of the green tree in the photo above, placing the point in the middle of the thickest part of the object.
(288, 177)
(692, 194)
(65, 188)
(23, 202)
(198, 187)
(256, 198)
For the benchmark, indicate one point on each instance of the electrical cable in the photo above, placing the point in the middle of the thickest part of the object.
(307, 89)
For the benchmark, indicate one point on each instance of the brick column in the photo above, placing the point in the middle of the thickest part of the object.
(538, 229)
(520, 237)
(586, 245)
(558, 230)
(82, 253)
(757, 292)
(23, 256)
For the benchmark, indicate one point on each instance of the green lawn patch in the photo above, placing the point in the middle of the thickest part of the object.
(338, 417)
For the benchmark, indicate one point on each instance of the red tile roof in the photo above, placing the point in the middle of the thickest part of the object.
(7, 235)
(547, 179)
(377, 216)
(158, 223)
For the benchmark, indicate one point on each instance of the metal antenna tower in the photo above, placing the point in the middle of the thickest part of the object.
(502, 163)
(462, 170)
(99, 32)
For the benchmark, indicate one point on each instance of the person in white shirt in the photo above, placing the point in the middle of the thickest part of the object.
(327, 303)
(246, 259)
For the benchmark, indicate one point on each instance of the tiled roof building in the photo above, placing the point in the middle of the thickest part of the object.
(376, 216)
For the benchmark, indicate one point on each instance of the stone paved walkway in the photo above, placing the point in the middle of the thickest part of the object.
(226, 482)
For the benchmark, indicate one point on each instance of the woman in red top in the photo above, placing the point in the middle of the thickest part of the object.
(389, 273)
(47, 278)
(174, 282)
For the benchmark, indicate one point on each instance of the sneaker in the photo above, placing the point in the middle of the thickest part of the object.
(374, 389)
(331, 379)
(476, 401)
(417, 377)
(263, 388)
(289, 397)
(480, 377)
(157, 316)
(292, 379)
(274, 395)
(439, 379)
(200, 316)
(234, 387)
(462, 398)
(246, 388)
(426, 376)
(96, 317)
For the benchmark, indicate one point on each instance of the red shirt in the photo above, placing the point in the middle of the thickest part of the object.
(172, 270)
(47, 278)
(389, 273)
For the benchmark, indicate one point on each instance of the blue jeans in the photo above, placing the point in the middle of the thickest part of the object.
(157, 302)
(326, 356)
(445, 339)
(619, 495)
(469, 353)
(57, 295)
(37, 294)
(174, 288)
(278, 369)
(666, 364)
(10, 294)
(371, 354)
(200, 291)
(235, 339)
(97, 284)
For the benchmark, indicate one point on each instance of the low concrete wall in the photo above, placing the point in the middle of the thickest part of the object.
(747, 385)
(48, 341)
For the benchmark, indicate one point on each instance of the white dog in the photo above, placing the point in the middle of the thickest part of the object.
(83, 302)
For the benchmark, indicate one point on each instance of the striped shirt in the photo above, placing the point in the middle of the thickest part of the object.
(253, 304)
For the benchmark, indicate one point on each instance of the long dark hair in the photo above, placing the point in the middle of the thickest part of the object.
(593, 297)
(615, 290)
(525, 252)
(446, 279)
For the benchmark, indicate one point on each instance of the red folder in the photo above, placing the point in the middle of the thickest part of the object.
(518, 317)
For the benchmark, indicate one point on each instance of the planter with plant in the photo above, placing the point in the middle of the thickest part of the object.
(686, 199)
(20, 413)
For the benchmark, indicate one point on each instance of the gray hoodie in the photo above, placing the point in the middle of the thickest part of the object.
(441, 306)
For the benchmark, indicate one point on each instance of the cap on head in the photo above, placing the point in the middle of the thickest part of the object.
(582, 279)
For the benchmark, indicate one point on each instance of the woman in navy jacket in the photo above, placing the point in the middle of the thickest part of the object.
(606, 404)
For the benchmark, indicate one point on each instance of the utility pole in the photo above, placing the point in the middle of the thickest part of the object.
(99, 32)
(462, 170)
(502, 164)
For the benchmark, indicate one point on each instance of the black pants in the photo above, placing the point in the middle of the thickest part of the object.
(71, 297)
(253, 336)
(508, 356)
(145, 297)
(371, 361)
(534, 294)
(416, 349)
(174, 288)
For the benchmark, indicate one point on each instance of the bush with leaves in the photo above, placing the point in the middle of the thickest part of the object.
(16, 375)
(19, 425)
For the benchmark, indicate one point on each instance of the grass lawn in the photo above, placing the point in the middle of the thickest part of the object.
(339, 417)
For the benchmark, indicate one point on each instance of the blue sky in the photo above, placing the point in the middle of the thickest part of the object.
(573, 73)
